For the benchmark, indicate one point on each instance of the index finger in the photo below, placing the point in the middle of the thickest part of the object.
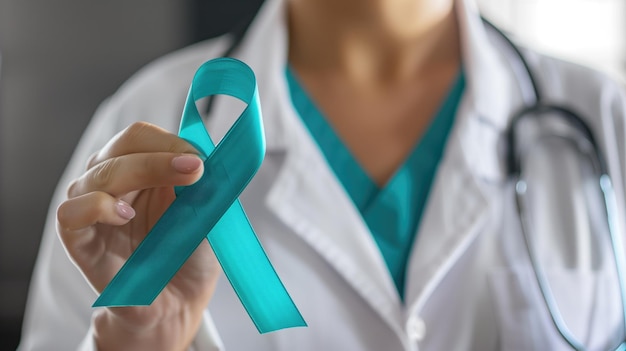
(141, 137)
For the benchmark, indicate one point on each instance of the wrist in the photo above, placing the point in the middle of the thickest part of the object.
(112, 331)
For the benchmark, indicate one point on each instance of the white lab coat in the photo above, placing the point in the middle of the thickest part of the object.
(469, 285)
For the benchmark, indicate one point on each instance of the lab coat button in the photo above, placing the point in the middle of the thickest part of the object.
(416, 328)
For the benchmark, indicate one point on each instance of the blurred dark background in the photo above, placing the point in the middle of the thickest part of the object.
(59, 60)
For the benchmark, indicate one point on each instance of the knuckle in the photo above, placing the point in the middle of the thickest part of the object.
(123, 142)
(104, 173)
(149, 167)
(174, 147)
(136, 130)
(168, 141)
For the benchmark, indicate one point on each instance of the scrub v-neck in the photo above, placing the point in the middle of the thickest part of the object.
(392, 212)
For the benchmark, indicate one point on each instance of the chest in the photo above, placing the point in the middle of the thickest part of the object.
(379, 123)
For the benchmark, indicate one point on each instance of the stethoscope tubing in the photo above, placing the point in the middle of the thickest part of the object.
(514, 171)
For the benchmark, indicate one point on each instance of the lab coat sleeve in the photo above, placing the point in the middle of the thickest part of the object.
(613, 102)
(601, 101)
(88, 343)
(58, 312)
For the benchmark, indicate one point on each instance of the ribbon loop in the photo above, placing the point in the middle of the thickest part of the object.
(211, 206)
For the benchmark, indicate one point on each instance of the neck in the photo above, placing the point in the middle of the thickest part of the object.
(372, 41)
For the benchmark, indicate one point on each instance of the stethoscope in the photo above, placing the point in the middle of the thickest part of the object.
(534, 107)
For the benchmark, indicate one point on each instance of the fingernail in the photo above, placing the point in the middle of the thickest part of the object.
(186, 164)
(124, 210)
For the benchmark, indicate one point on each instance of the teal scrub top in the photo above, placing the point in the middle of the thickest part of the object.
(392, 212)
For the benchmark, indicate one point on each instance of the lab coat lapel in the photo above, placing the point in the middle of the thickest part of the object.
(460, 201)
(306, 196)
(455, 213)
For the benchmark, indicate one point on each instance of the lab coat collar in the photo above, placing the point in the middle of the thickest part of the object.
(268, 35)
(491, 95)
(488, 83)
(487, 71)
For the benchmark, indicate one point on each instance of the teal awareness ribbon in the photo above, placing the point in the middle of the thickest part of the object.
(211, 206)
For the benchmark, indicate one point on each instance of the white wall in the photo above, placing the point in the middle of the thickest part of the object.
(591, 32)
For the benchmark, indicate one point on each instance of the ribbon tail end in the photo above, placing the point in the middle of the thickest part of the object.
(300, 324)
(294, 321)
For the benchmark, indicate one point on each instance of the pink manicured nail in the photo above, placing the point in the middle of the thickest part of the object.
(124, 210)
(186, 164)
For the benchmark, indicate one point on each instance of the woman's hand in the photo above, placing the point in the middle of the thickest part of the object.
(126, 188)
